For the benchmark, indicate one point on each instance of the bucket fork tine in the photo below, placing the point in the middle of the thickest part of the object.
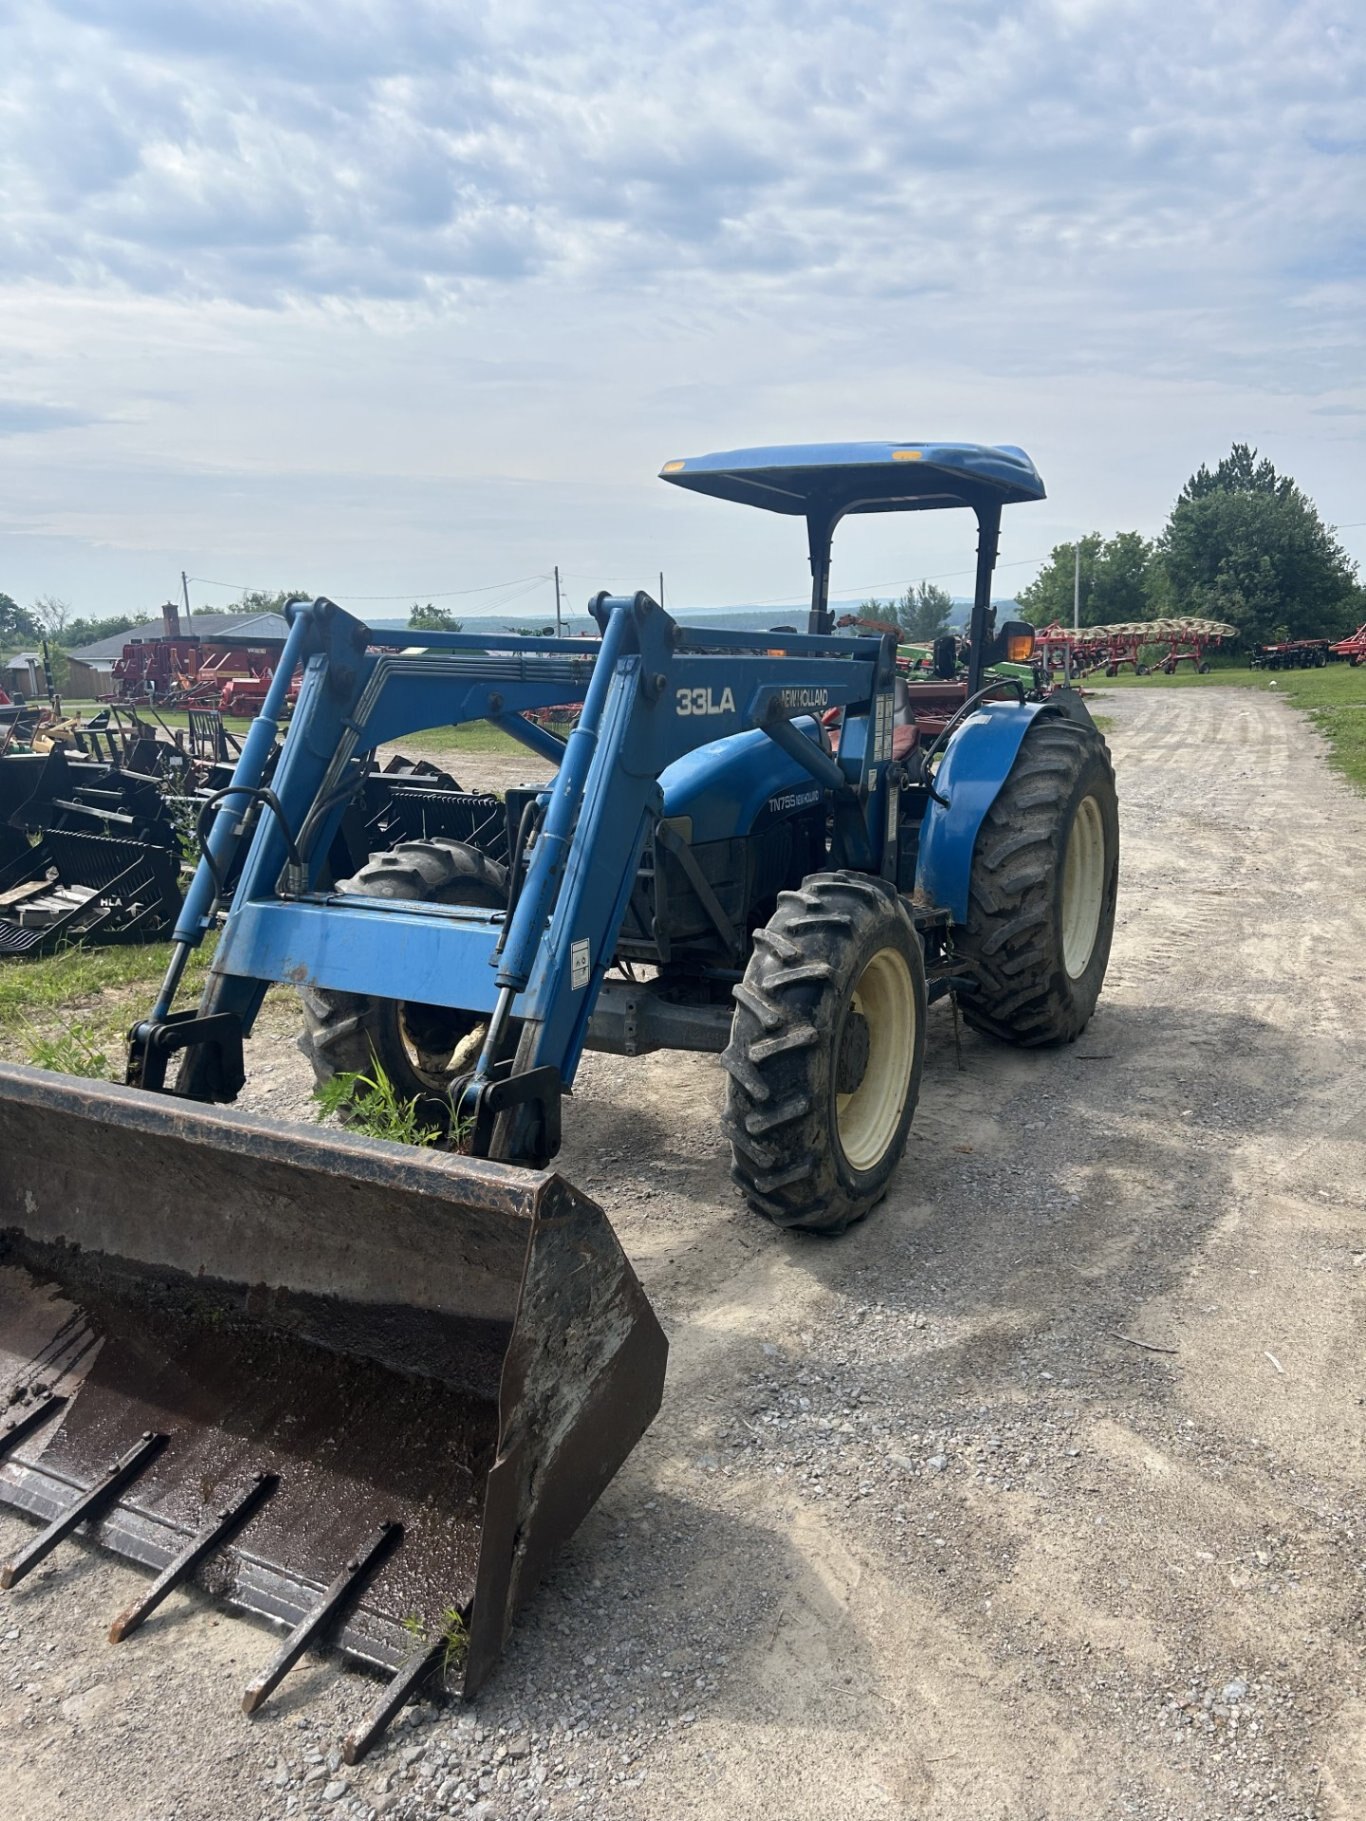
(400, 1689)
(197, 1550)
(14, 1433)
(347, 1587)
(90, 1504)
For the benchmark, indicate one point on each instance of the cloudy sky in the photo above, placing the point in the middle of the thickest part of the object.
(413, 297)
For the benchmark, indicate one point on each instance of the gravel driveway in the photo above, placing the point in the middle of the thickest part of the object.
(1038, 1496)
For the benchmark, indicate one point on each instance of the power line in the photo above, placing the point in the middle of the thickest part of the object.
(451, 594)
(521, 594)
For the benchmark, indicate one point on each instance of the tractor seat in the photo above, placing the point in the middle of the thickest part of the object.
(905, 737)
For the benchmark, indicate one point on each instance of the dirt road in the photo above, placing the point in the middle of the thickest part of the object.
(1041, 1495)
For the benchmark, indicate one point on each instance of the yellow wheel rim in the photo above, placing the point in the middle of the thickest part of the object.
(867, 1119)
(1083, 887)
(463, 1055)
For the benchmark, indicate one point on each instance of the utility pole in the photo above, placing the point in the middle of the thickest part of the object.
(1076, 587)
(185, 590)
(558, 630)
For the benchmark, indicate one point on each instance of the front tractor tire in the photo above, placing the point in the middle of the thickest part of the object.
(1045, 872)
(826, 1050)
(421, 1048)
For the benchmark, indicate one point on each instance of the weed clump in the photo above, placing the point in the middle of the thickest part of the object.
(71, 1052)
(372, 1105)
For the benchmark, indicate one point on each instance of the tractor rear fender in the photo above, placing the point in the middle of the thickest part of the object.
(976, 763)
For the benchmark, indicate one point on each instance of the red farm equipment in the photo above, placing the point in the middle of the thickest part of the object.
(1188, 641)
(1353, 648)
(153, 670)
(1290, 654)
(242, 678)
(1070, 652)
(1063, 651)
(173, 669)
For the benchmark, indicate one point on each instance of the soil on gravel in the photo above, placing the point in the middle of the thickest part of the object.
(1038, 1495)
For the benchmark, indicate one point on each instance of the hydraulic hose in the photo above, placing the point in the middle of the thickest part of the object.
(964, 709)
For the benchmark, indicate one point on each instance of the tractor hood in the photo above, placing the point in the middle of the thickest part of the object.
(732, 785)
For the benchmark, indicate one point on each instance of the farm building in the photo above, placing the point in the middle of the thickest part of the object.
(22, 674)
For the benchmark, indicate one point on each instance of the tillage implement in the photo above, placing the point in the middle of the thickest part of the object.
(366, 1389)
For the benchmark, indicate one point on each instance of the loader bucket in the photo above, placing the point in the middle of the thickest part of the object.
(360, 1373)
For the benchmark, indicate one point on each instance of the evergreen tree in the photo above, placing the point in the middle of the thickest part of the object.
(1246, 545)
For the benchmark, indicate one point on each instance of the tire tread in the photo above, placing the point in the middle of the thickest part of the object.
(786, 1012)
(1010, 943)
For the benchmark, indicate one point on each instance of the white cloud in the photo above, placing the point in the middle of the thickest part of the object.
(379, 276)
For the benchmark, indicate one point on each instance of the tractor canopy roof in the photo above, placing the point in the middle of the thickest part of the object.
(827, 480)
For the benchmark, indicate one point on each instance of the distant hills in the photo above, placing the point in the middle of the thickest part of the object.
(743, 618)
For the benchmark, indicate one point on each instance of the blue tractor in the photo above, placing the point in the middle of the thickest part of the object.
(770, 846)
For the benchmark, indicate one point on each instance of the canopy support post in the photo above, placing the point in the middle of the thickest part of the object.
(983, 618)
(820, 532)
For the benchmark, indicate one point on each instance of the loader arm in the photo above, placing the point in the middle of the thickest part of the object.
(651, 692)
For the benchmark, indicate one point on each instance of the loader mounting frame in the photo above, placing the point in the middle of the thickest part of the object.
(651, 691)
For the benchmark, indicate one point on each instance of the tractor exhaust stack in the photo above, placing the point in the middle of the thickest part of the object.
(358, 1388)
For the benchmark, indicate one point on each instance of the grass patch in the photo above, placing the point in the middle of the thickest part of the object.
(109, 987)
(1232, 674)
(470, 736)
(1334, 699)
(1343, 725)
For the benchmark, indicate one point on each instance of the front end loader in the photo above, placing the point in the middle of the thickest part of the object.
(364, 1389)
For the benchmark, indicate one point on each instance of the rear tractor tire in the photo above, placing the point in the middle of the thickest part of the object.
(1045, 872)
(826, 1050)
(421, 1048)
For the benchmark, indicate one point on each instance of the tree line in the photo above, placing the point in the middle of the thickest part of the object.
(1242, 544)
(922, 613)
